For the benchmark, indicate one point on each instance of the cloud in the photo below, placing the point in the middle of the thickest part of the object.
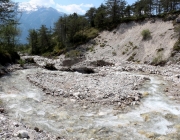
(42, 2)
(69, 9)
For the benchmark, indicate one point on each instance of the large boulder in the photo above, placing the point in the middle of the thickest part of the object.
(23, 134)
(50, 66)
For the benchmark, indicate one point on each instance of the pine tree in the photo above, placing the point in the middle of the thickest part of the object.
(33, 41)
(115, 9)
(101, 17)
(90, 14)
(44, 39)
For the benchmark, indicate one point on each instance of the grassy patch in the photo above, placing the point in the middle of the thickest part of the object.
(91, 49)
(176, 46)
(73, 54)
(177, 28)
(130, 43)
(101, 63)
(135, 47)
(21, 62)
(146, 34)
(91, 33)
(102, 45)
(71, 62)
(160, 49)
(131, 58)
(158, 61)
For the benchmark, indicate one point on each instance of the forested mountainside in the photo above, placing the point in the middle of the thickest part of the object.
(73, 30)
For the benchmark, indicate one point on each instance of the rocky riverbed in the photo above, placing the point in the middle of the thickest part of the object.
(121, 100)
(13, 130)
(102, 87)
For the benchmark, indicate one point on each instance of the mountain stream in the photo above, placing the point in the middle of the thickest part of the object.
(157, 116)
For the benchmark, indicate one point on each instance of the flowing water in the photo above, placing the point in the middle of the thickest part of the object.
(156, 116)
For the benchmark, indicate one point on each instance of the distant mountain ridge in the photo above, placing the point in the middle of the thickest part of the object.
(34, 18)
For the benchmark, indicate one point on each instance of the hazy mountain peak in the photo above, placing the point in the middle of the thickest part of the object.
(32, 17)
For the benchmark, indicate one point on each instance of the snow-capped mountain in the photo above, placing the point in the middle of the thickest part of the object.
(27, 7)
(32, 17)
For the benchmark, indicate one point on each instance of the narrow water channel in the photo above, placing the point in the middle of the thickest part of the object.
(156, 116)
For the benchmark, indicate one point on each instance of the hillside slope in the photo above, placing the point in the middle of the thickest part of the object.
(125, 42)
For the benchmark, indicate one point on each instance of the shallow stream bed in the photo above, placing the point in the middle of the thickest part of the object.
(157, 117)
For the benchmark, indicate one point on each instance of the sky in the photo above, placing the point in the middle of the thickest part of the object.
(67, 6)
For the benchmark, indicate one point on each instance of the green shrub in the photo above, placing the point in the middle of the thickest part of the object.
(101, 63)
(79, 37)
(102, 45)
(158, 61)
(146, 34)
(91, 49)
(47, 54)
(21, 62)
(73, 54)
(130, 43)
(160, 49)
(71, 62)
(177, 28)
(91, 33)
(176, 46)
(135, 47)
(131, 58)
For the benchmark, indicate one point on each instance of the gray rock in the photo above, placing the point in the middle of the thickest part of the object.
(16, 124)
(1, 110)
(178, 19)
(23, 134)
